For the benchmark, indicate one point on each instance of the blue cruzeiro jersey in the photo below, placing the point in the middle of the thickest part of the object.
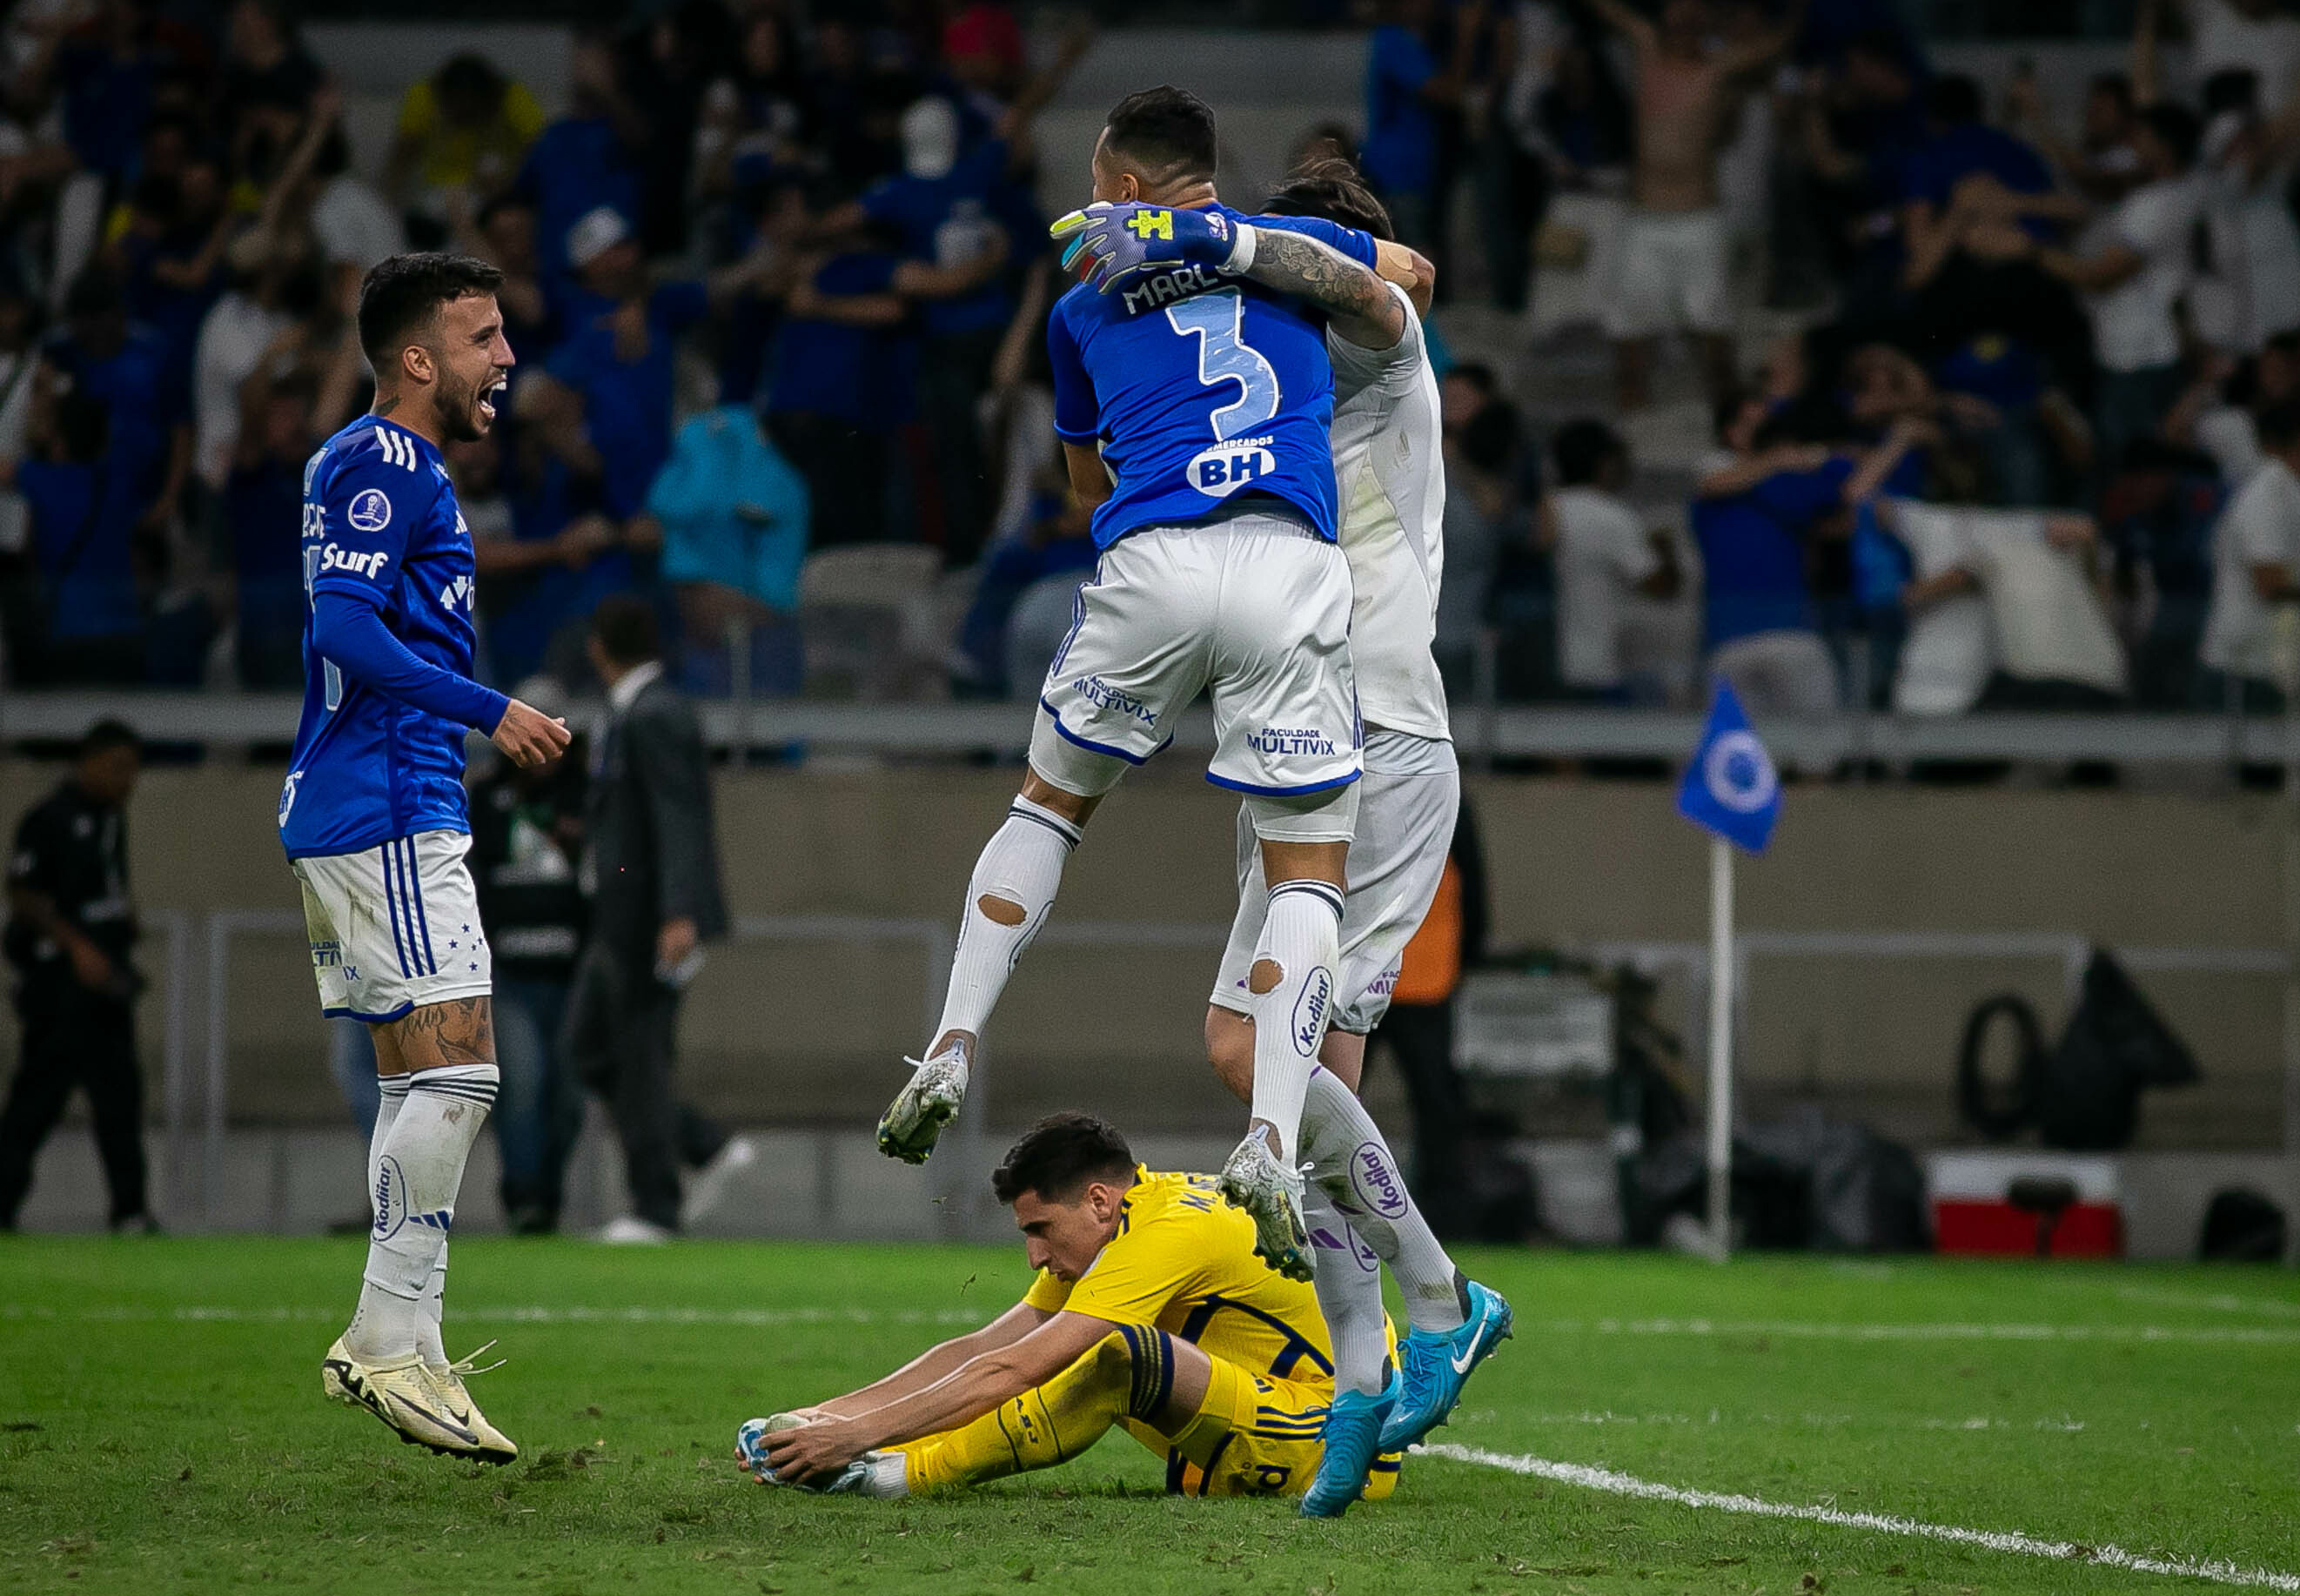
(1197, 387)
(380, 523)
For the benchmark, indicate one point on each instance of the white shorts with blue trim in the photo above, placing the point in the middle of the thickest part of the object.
(1253, 610)
(1407, 804)
(395, 927)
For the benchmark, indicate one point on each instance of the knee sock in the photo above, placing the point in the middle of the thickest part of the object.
(391, 1096)
(1007, 900)
(1349, 1294)
(1049, 1425)
(418, 1171)
(1301, 938)
(1353, 1164)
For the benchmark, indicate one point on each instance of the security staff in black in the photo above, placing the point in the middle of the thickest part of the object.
(71, 928)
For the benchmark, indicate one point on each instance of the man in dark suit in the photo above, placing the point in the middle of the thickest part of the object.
(652, 870)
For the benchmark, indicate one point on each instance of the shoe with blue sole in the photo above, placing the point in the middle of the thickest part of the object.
(751, 1451)
(1353, 1441)
(1435, 1366)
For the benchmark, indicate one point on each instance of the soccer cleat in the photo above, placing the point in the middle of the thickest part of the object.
(1353, 1441)
(455, 1400)
(751, 1451)
(1270, 1194)
(405, 1397)
(908, 1129)
(1437, 1365)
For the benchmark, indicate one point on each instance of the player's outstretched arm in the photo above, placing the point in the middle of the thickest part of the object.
(937, 1362)
(349, 633)
(965, 1394)
(1357, 303)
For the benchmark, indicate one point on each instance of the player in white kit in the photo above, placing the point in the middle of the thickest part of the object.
(1389, 479)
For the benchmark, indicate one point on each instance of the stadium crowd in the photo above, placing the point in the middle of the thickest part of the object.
(776, 282)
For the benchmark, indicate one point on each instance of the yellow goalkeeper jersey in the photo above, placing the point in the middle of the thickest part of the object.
(1183, 1262)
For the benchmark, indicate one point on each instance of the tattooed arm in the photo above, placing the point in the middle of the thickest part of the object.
(1362, 308)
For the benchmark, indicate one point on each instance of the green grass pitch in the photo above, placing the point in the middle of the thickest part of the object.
(164, 1431)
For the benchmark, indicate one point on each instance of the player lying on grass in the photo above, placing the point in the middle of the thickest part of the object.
(1150, 1311)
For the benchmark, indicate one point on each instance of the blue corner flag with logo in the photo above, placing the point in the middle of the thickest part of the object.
(1732, 787)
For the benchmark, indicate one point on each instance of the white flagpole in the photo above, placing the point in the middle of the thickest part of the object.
(1721, 1047)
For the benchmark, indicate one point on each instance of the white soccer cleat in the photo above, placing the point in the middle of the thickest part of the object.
(456, 1399)
(909, 1128)
(409, 1401)
(1270, 1194)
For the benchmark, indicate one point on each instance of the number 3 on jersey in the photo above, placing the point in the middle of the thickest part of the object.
(1224, 356)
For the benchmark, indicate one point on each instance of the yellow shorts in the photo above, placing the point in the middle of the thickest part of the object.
(1255, 1436)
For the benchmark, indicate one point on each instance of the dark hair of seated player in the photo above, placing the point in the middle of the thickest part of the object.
(1060, 1156)
(1333, 189)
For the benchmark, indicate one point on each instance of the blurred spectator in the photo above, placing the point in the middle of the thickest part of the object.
(71, 927)
(540, 574)
(355, 226)
(1673, 249)
(2005, 612)
(526, 838)
(262, 511)
(755, 120)
(1482, 511)
(463, 135)
(270, 291)
(2102, 165)
(2259, 36)
(2215, 416)
(101, 354)
(1605, 561)
(2252, 638)
(586, 160)
(1406, 90)
(603, 401)
(652, 866)
(269, 80)
(502, 234)
(2251, 288)
(79, 624)
(1515, 180)
(734, 517)
(1022, 605)
(20, 336)
(665, 68)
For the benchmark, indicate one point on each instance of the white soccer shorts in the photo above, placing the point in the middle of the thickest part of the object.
(395, 927)
(1673, 276)
(1405, 828)
(1255, 609)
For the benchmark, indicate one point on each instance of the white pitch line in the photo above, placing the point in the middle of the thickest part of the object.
(1793, 1329)
(2218, 1570)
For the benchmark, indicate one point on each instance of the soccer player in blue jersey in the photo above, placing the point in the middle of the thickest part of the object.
(1194, 396)
(373, 818)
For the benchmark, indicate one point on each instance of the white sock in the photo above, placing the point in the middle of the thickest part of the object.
(1022, 865)
(391, 1095)
(418, 1173)
(1349, 1294)
(1302, 936)
(1353, 1164)
(888, 1478)
(432, 1309)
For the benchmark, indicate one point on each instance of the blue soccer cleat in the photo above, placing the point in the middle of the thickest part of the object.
(1352, 1438)
(1436, 1366)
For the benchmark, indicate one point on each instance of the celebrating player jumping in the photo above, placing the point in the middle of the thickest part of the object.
(1193, 402)
(373, 813)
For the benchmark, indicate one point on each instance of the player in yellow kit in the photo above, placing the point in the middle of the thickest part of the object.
(1150, 1311)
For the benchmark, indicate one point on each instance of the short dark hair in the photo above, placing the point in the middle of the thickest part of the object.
(2177, 126)
(1168, 132)
(1953, 99)
(2279, 424)
(405, 292)
(1581, 449)
(1060, 1156)
(105, 736)
(1332, 189)
(625, 626)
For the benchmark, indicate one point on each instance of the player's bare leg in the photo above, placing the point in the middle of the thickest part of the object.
(436, 1065)
(1008, 899)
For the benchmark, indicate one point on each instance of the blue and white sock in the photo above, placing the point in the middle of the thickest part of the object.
(1301, 938)
(1352, 1163)
(419, 1171)
(1349, 1295)
(1007, 900)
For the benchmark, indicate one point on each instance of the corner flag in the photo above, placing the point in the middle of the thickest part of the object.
(1732, 787)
